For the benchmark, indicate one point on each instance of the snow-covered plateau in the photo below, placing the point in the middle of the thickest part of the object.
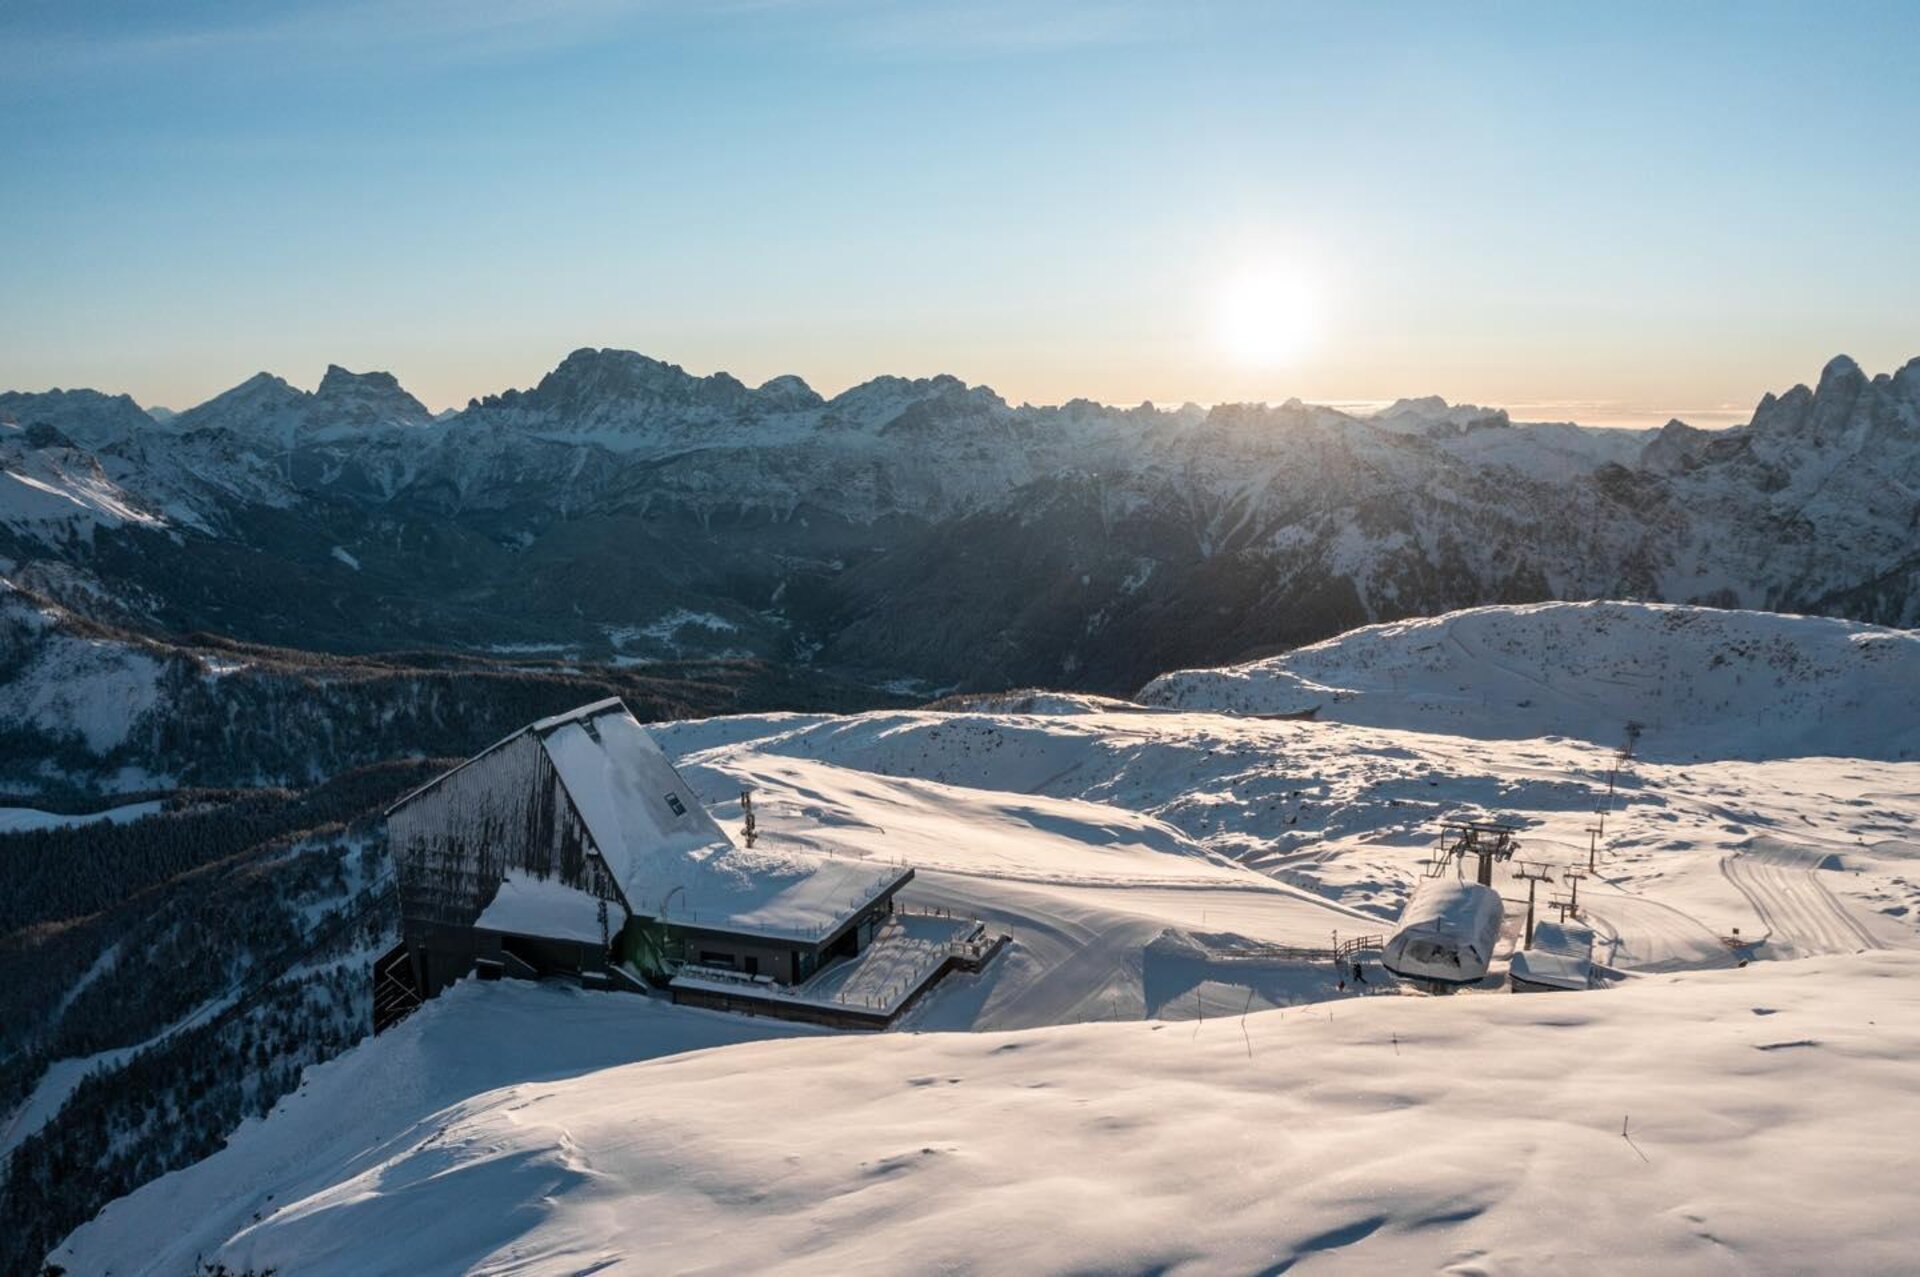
(1145, 1081)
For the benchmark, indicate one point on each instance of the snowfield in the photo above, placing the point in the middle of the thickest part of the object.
(505, 1130)
(1141, 1082)
(1702, 683)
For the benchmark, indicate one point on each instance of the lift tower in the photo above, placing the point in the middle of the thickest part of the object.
(1535, 873)
(1484, 840)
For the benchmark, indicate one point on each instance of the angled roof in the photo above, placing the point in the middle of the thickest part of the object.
(672, 861)
(669, 858)
(536, 727)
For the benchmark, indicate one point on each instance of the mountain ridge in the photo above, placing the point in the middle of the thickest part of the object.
(1070, 545)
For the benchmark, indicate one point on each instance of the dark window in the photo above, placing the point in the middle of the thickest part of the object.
(710, 958)
(673, 801)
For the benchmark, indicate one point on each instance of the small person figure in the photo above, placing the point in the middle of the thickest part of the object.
(1359, 973)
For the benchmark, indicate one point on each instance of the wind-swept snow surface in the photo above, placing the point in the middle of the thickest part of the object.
(1700, 683)
(1737, 1121)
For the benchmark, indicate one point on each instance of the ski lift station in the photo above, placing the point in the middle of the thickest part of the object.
(1447, 933)
(1560, 957)
(574, 848)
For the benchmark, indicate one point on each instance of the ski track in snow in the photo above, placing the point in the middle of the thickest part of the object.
(1800, 915)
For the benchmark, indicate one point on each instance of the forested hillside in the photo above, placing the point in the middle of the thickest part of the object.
(93, 708)
(164, 979)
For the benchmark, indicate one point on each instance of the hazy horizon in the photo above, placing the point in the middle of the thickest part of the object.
(1614, 216)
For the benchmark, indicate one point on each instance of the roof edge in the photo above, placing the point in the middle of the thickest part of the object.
(538, 727)
(541, 727)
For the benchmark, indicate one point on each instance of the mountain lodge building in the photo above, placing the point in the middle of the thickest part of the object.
(573, 847)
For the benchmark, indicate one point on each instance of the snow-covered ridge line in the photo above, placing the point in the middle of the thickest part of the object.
(1693, 682)
(809, 527)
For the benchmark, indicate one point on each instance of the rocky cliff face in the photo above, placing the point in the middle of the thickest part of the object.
(928, 531)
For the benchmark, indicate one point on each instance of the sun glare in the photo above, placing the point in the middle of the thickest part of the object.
(1263, 315)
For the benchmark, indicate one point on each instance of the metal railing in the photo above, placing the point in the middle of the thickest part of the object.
(1342, 952)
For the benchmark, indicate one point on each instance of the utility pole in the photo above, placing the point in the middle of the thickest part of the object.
(1593, 849)
(1534, 873)
(746, 809)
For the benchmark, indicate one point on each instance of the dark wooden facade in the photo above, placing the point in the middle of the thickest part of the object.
(453, 843)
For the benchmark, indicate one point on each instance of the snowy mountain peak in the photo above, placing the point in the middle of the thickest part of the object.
(87, 417)
(260, 397)
(367, 399)
(613, 373)
(1677, 447)
(789, 392)
(1846, 411)
(1841, 368)
(624, 390)
(885, 400)
(1432, 415)
(262, 383)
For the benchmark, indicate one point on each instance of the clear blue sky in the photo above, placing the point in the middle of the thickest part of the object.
(1608, 211)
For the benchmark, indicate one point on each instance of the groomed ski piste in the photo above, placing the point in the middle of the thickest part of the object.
(1142, 1081)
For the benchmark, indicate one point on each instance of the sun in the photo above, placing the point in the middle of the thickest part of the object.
(1264, 315)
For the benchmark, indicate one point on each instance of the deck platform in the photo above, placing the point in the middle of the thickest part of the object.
(868, 991)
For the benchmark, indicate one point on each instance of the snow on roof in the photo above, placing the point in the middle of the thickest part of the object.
(668, 856)
(580, 715)
(536, 727)
(548, 908)
(1447, 931)
(1452, 907)
(1561, 955)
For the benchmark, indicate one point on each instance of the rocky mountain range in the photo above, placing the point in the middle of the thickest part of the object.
(923, 535)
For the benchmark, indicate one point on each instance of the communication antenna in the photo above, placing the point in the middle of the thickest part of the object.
(1535, 873)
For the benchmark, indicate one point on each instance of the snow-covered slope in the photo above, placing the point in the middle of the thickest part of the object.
(1147, 861)
(1698, 682)
(67, 683)
(52, 488)
(533, 1130)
